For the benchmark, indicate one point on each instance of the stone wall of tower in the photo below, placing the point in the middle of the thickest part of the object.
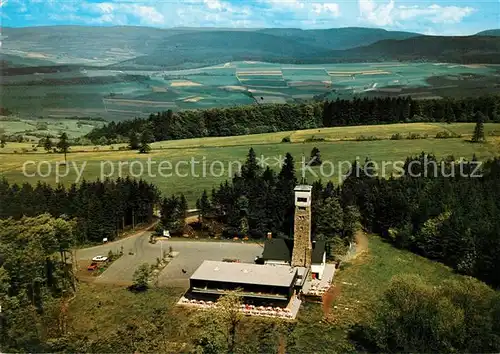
(302, 245)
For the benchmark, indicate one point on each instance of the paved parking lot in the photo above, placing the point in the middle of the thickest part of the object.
(190, 255)
(193, 253)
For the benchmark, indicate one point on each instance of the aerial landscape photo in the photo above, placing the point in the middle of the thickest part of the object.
(249, 176)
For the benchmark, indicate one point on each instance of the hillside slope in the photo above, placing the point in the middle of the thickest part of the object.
(492, 32)
(193, 49)
(225, 46)
(153, 48)
(339, 38)
(471, 49)
(137, 46)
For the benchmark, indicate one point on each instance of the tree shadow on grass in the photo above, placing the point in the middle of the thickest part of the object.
(136, 288)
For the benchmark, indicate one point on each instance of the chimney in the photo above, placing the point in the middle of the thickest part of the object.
(269, 235)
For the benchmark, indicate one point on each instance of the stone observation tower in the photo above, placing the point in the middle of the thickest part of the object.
(302, 246)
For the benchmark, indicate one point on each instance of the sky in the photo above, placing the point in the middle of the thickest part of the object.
(435, 17)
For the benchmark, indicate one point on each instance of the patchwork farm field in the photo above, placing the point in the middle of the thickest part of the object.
(218, 158)
(116, 94)
(34, 129)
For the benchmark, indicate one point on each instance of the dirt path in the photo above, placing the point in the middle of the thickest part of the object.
(122, 238)
(335, 290)
(361, 243)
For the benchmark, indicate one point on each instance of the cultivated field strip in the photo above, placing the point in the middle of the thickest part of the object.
(141, 92)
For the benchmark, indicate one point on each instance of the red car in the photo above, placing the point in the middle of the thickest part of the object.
(93, 266)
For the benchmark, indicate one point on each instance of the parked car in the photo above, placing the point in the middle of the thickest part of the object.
(93, 266)
(100, 259)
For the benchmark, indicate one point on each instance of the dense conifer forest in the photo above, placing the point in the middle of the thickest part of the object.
(276, 117)
(101, 209)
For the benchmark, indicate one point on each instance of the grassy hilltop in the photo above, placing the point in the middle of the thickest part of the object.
(338, 144)
(98, 310)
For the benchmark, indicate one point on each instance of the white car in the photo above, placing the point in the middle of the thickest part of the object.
(100, 259)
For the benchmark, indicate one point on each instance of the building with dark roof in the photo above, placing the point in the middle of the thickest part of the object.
(277, 282)
(279, 251)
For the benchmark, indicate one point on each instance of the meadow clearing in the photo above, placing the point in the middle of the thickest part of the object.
(192, 165)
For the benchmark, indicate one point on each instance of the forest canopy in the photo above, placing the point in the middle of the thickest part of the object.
(258, 119)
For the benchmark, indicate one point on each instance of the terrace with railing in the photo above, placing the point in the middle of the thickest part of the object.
(246, 309)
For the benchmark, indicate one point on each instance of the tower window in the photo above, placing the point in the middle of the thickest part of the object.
(302, 208)
(302, 200)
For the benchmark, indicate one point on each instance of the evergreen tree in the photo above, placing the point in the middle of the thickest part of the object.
(146, 138)
(203, 205)
(330, 218)
(133, 143)
(478, 135)
(183, 208)
(141, 277)
(63, 145)
(351, 222)
(173, 213)
(315, 159)
(287, 181)
(250, 169)
(47, 144)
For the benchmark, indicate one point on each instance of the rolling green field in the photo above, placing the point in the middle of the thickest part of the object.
(192, 165)
(117, 94)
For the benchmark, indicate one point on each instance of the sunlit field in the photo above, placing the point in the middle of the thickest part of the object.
(192, 165)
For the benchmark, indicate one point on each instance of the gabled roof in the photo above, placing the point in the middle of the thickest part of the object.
(278, 249)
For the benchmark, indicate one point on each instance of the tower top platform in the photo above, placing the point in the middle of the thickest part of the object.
(303, 188)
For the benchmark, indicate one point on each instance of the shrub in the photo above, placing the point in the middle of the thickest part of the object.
(141, 277)
(286, 139)
(397, 136)
(313, 139)
(416, 136)
(447, 135)
(367, 138)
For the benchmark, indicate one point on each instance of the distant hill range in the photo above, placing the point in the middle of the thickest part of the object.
(152, 48)
(493, 32)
